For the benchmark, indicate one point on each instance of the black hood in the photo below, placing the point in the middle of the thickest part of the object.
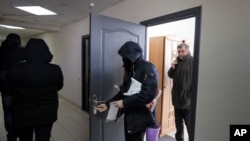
(13, 37)
(131, 51)
(37, 50)
(12, 41)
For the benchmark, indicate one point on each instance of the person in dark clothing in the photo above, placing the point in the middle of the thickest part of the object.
(137, 115)
(11, 52)
(34, 86)
(181, 73)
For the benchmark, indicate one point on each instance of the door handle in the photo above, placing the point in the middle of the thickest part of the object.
(95, 103)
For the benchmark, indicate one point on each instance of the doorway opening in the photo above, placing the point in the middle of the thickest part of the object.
(163, 40)
(163, 35)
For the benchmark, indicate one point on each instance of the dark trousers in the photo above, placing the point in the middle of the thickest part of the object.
(8, 117)
(42, 133)
(180, 116)
(138, 136)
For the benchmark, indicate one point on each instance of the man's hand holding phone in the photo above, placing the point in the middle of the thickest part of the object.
(174, 63)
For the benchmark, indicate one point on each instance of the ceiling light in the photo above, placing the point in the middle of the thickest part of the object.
(92, 4)
(11, 27)
(37, 10)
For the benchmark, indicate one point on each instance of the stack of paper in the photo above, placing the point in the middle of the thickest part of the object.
(113, 110)
(135, 87)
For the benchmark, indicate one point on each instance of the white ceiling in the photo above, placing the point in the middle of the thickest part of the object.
(177, 30)
(68, 11)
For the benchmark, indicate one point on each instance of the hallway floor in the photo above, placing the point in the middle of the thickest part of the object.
(171, 136)
(72, 124)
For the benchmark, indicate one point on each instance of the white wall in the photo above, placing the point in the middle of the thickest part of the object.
(66, 48)
(224, 71)
(224, 74)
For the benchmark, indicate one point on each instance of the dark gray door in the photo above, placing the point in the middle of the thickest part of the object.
(107, 35)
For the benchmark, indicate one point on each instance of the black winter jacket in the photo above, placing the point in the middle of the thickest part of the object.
(34, 85)
(11, 53)
(137, 116)
(182, 81)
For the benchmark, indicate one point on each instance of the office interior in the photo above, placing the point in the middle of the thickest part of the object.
(223, 68)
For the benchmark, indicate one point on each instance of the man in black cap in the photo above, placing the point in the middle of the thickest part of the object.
(137, 116)
(11, 53)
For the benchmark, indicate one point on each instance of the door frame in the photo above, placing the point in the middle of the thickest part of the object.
(85, 72)
(192, 12)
